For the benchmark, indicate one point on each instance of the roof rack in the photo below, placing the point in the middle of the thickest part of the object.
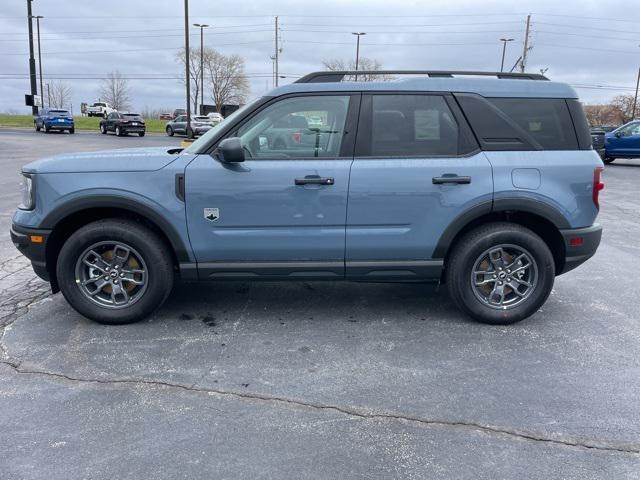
(338, 76)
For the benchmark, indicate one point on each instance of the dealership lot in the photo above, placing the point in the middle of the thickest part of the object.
(342, 380)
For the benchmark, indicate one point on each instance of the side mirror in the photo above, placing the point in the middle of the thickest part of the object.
(230, 150)
(618, 134)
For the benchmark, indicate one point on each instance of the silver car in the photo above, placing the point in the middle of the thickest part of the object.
(199, 126)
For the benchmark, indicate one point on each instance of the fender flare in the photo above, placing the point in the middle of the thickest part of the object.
(525, 205)
(123, 203)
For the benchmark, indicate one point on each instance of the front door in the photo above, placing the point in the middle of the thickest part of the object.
(282, 211)
(417, 168)
(625, 142)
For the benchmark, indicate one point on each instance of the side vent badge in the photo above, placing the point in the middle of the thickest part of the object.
(212, 214)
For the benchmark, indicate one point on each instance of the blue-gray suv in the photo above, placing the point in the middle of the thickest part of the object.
(485, 182)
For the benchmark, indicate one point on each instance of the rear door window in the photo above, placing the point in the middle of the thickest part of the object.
(407, 125)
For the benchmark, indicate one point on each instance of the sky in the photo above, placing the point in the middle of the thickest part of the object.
(592, 45)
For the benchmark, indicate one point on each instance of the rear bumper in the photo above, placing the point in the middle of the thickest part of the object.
(580, 245)
(132, 129)
(23, 238)
(59, 126)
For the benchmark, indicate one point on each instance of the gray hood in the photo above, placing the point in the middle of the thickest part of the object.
(123, 160)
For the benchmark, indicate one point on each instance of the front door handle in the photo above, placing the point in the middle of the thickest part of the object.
(315, 180)
(451, 178)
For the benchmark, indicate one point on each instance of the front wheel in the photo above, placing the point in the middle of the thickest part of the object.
(36, 126)
(608, 160)
(103, 129)
(115, 271)
(170, 131)
(72, 130)
(500, 273)
(118, 132)
(141, 134)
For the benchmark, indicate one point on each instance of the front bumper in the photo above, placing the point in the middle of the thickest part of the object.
(580, 245)
(32, 243)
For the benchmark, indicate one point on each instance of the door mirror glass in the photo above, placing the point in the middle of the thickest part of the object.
(264, 142)
(618, 134)
(230, 150)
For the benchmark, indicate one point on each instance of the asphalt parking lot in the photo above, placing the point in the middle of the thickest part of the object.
(322, 380)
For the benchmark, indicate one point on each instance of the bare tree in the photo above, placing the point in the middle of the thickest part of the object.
(59, 94)
(115, 90)
(364, 64)
(226, 78)
(607, 114)
(624, 104)
(194, 71)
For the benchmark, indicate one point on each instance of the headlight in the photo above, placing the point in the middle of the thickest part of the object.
(26, 190)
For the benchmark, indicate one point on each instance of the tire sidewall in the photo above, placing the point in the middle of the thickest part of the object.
(153, 252)
(519, 237)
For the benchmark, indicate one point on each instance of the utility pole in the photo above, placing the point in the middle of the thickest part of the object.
(276, 54)
(635, 100)
(48, 96)
(523, 64)
(202, 26)
(32, 61)
(38, 17)
(504, 50)
(186, 65)
(358, 35)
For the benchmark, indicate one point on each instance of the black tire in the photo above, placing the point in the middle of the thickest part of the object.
(103, 129)
(608, 160)
(118, 132)
(46, 129)
(155, 255)
(36, 126)
(169, 131)
(468, 251)
(72, 130)
(141, 134)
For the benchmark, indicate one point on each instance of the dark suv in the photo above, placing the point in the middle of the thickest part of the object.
(484, 181)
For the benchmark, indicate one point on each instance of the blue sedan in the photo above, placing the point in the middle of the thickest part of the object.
(623, 142)
(53, 119)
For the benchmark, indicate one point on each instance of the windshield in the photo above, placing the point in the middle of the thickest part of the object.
(202, 142)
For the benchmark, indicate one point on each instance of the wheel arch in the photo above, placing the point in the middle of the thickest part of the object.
(541, 218)
(69, 217)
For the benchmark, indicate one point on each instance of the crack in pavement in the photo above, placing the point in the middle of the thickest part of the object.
(353, 412)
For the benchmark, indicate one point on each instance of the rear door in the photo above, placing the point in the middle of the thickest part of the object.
(281, 212)
(417, 168)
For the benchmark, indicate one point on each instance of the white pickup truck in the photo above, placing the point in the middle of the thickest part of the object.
(100, 109)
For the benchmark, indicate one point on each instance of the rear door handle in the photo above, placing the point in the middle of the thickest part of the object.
(449, 178)
(315, 180)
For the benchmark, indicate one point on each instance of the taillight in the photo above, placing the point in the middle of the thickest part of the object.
(597, 185)
(297, 137)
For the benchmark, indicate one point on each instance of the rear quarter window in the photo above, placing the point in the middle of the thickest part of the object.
(520, 123)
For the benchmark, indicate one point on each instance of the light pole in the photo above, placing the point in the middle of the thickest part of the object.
(186, 65)
(504, 50)
(38, 17)
(358, 35)
(32, 62)
(201, 26)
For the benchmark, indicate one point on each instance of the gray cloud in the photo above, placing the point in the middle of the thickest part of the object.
(575, 40)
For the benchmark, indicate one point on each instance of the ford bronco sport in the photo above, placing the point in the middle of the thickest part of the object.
(486, 182)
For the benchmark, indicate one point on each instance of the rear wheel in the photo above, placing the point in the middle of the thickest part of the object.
(36, 126)
(170, 131)
(103, 129)
(141, 134)
(47, 129)
(115, 271)
(500, 273)
(118, 132)
(72, 130)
